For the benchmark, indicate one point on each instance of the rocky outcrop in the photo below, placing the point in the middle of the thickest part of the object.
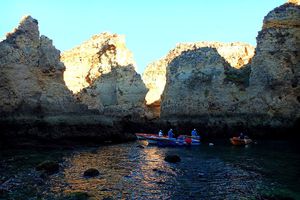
(93, 58)
(191, 63)
(101, 73)
(296, 2)
(203, 85)
(34, 100)
(199, 79)
(31, 74)
(275, 70)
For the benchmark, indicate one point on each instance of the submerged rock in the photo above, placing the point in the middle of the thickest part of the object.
(140, 146)
(172, 158)
(92, 172)
(78, 196)
(49, 167)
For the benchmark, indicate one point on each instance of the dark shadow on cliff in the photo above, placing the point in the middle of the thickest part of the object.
(120, 89)
(202, 68)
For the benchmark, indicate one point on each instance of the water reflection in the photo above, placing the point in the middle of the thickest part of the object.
(130, 172)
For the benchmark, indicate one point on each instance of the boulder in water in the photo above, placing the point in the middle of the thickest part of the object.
(92, 172)
(140, 146)
(78, 196)
(49, 167)
(172, 158)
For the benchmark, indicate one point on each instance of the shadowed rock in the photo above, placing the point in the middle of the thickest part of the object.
(49, 167)
(172, 158)
(91, 173)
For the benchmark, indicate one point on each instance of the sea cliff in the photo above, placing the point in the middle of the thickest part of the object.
(94, 91)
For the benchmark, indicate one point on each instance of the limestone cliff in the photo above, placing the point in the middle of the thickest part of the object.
(31, 74)
(200, 79)
(101, 73)
(275, 75)
(193, 61)
(203, 84)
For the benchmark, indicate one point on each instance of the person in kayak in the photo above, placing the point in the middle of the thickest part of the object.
(160, 133)
(194, 133)
(241, 136)
(170, 133)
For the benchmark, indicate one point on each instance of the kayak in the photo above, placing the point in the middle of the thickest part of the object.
(238, 142)
(182, 140)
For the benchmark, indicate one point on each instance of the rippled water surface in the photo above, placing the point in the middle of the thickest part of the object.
(129, 172)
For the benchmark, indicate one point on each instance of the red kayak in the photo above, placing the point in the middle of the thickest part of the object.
(238, 142)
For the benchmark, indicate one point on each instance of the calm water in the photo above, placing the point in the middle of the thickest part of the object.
(129, 172)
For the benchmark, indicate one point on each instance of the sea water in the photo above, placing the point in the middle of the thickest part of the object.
(266, 170)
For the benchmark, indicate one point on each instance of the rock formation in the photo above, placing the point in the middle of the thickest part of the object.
(275, 69)
(223, 58)
(31, 74)
(296, 2)
(202, 83)
(199, 79)
(211, 85)
(101, 73)
(34, 100)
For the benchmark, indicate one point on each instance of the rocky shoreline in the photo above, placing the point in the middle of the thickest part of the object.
(93, 92)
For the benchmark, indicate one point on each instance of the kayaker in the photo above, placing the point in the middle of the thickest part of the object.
(241, 136)
(194, 133)
(170, 133)
(160, 133)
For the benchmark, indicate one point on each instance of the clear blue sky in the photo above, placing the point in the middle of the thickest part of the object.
(151, 27)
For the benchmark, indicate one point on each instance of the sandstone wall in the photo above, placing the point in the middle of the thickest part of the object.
(205, 78)
(193, 62)
(263, 90)
(101, 73)
(275, 75)
(31, 74)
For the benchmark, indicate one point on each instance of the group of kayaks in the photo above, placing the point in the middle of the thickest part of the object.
(181, 140)
(184, 140)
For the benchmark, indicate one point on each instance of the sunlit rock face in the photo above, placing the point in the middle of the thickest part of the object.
(275, 74)
(154, 78)
(296, 2)
(190, 59)
(31, 74)
(93, 58)
(101, 73)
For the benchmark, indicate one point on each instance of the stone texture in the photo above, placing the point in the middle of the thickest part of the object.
(197, 84)
(101, 73)
(204, 83)
(237, 54)
(275, 75)
(49, 167)
(31, 74)
(195, 64)
(154, 78)
(93, 58)
(296, 2)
